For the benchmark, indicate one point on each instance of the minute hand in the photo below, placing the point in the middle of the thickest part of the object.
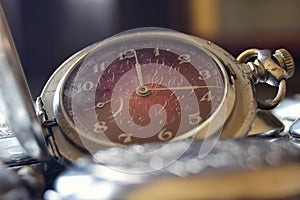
(185, 88)
(138, 70)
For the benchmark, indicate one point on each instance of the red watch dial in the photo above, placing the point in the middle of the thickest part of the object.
(142, 89)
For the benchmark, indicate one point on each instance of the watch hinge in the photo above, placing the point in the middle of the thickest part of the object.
(47, 125)
(43, 117)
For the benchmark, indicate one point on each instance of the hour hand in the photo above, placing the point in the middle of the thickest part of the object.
(100, 104)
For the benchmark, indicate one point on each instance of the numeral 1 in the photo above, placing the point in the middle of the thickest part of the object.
(98, 67)
(156, 51)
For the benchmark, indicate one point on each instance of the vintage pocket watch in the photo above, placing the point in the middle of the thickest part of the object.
(141, 86)
(155, 85)
(144, 86)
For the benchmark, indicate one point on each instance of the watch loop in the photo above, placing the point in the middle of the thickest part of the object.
(270, 69)
(270, 104)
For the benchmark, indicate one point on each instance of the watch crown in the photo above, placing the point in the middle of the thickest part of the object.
(286, 61)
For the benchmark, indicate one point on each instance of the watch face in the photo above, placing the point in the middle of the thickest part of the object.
(142, 87)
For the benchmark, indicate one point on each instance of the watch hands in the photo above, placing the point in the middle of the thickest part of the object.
(185, 88)
(138, 70)
(142, 90)
(102, 104)
(98, 105)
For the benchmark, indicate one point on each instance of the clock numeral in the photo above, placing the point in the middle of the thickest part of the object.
(206, 97)
(184, 58)
(100, 127)
(127, 54)
(164, 135)
(195, 119)
(204, 75)
(99, 68)
(156, 51)
(86, 86)
(125, 137)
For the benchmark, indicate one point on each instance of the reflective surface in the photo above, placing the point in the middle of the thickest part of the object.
(16, 102)
(235, 167)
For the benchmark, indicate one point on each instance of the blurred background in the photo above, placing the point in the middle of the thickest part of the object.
(47, 32)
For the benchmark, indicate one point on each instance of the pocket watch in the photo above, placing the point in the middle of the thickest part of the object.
(155, 85)
(142, 86)
(143, 90)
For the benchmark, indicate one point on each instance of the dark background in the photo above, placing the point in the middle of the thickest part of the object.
(47, 32)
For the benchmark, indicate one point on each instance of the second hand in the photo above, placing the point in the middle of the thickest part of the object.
(185, 88)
